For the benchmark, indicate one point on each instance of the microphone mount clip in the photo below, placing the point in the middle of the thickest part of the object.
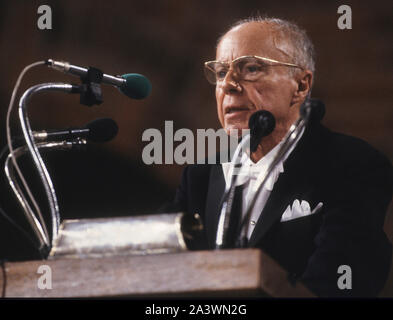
(90, 90)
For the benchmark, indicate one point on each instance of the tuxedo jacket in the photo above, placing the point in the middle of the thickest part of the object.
(352, 180)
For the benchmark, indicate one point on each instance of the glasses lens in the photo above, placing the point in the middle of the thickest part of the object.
(250, 68)
(215, 71)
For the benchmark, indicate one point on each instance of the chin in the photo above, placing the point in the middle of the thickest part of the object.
(236, 130)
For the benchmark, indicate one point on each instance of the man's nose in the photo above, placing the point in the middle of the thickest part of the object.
(230, 83)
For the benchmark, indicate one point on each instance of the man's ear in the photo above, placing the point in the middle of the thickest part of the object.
(304, 81)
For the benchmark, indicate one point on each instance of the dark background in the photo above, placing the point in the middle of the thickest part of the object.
(168, 41)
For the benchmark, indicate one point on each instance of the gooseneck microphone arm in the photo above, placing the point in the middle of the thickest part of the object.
(261, 123)
(310, 109)
(39, 229)
(289, 139)
(229, 193)
(34, 152)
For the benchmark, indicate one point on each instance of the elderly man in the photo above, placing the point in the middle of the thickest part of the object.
(323, 209)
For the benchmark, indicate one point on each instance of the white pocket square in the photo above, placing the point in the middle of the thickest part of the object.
(298, 210)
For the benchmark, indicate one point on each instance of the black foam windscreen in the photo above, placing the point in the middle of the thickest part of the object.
(261, 124)
(102, 130)
(315, 108)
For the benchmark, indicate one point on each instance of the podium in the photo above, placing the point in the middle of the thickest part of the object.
(223, 273)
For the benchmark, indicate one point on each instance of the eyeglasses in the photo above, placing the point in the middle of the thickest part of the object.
(247, 68)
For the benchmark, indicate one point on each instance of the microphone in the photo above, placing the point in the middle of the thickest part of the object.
(133, 85)
(99, 130)
(261, 124)
(312, 110)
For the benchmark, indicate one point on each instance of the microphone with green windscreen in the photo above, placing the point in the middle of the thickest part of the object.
(133, 85)
(136, 86)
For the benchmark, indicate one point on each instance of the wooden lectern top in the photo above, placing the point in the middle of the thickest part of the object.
(191, 273)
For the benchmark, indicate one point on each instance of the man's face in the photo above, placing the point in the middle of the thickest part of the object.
(237, 100)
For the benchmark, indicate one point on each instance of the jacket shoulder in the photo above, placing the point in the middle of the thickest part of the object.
(349, 150)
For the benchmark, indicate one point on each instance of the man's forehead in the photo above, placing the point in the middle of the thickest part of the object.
(254, 38)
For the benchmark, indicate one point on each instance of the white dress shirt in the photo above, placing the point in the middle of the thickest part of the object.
(251, 175)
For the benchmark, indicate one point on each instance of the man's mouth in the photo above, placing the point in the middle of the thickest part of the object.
(235, 109)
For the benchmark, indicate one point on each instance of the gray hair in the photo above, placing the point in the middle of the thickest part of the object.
(303, 49)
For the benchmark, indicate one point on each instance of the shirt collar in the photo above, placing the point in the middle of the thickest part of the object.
(257, 171)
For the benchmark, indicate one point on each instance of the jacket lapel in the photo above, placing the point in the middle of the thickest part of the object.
(214, 195)
(281, 195)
